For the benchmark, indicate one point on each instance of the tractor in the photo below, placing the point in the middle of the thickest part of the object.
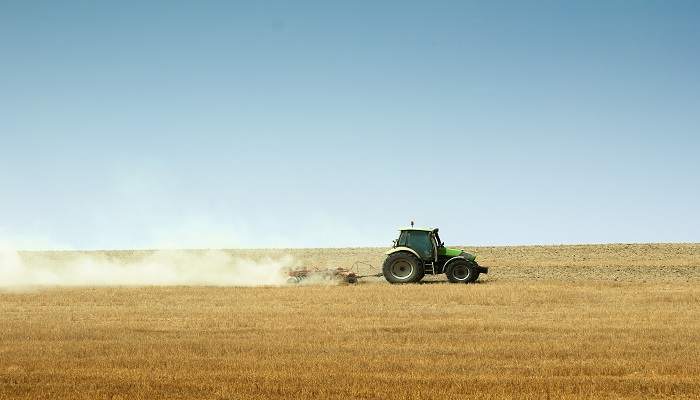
(419, 251)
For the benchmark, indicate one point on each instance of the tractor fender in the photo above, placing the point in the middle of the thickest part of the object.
(397, 249)
(453, 259)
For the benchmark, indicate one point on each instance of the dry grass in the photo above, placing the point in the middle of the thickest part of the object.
(507, 337)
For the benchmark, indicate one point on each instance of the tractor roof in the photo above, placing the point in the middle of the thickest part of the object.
(419, 229)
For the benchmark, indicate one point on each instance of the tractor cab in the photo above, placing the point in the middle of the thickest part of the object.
(424, 242)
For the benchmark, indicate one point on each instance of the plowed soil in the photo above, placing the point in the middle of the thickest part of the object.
(657, 262)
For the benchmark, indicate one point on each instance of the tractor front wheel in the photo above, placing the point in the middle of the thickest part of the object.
(403, 267)
(461, 271)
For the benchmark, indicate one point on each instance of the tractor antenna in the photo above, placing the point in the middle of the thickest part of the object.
(411, 224)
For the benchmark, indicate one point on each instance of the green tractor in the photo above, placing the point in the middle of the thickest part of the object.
(419, 251)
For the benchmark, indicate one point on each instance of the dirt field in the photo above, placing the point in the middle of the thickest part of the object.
(665, 262)
(589, 321)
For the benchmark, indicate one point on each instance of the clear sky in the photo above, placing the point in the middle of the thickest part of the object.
(144, 124)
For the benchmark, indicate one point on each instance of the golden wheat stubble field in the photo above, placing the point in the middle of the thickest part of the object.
(607, 321)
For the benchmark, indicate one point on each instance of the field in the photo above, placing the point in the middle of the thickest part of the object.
(585, 321)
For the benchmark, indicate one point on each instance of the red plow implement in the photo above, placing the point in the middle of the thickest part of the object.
(346, 275)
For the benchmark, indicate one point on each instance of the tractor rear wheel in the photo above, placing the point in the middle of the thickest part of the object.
(402, 267)
(461, 271)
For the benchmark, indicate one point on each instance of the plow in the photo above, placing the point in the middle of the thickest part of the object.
(347, 275)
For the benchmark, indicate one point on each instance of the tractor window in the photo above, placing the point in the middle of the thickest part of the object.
(402, 239)
(421, 243)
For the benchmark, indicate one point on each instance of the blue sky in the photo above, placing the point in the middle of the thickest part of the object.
(142, 124)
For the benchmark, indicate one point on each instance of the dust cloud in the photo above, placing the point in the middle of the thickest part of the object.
(158, 268)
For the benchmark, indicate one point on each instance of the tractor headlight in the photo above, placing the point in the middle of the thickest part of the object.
(468, 256)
